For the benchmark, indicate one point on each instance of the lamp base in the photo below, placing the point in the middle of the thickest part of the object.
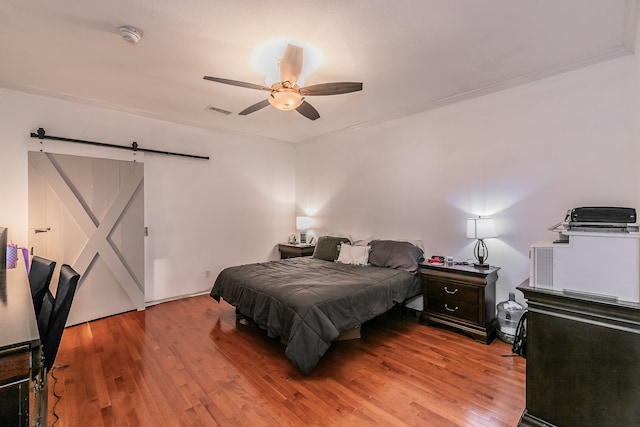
(481, 254)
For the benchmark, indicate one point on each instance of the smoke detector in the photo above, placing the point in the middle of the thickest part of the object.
(130, 34)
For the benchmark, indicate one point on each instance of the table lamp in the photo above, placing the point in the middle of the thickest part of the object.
(303, 223)
(481, 228)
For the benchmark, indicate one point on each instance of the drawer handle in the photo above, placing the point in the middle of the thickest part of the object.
(446, 306)
(450, 292)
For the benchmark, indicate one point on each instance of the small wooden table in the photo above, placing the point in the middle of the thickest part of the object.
(288, 250)
(462, 297)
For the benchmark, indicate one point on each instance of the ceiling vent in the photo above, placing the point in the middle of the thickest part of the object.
(217, 110)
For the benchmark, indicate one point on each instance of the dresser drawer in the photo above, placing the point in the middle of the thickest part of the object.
(446, 289)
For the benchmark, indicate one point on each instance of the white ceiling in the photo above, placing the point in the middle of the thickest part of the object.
(411, 55)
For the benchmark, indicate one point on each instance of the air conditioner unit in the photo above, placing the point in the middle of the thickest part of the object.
(604, 264)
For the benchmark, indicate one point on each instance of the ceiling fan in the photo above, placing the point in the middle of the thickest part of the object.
(286, 95)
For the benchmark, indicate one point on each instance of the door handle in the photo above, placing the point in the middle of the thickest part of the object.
(42, 230)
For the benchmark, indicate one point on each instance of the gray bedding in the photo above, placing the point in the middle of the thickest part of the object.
(309, 301)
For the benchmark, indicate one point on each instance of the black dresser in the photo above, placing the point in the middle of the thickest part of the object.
(583, 360)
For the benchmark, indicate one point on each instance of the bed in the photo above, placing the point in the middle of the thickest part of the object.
(308, 302)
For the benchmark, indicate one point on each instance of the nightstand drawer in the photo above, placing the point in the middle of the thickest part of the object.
(445, 289)
(293, 251)
(453, 307)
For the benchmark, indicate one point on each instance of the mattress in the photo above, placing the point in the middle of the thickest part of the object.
(309, 302)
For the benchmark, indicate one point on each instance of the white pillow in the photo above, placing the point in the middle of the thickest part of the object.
(357, 255)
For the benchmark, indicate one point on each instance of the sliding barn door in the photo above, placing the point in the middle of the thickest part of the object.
(89, 213)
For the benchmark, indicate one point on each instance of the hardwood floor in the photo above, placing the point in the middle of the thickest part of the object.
(187, 363)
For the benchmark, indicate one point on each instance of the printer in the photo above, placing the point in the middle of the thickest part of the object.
(597, 253)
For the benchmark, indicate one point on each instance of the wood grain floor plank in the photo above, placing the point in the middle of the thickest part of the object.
(187, 363)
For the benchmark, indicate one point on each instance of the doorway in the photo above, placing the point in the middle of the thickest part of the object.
(89, 213)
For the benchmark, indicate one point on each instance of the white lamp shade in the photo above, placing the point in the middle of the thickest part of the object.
(481, 228)
(303, 223)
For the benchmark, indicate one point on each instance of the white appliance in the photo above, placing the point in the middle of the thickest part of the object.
(600, 263)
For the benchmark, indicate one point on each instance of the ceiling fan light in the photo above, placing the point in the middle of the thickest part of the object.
(285, 99)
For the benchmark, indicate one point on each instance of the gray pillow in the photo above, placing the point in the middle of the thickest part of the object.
(395, 254)
(328, 247)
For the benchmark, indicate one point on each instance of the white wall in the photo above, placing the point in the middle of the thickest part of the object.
(523, 155)
(202, 215)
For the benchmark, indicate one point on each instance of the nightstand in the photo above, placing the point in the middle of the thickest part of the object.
(462, 297)
(288, 250)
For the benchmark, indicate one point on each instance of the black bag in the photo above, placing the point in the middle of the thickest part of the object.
(520, 341)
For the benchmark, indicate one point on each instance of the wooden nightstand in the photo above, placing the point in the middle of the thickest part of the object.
(291, 251)
(461, 297)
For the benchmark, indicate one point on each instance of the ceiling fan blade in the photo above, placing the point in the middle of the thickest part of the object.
(308, 111)
(255, 107)
(237, 83)
(336, 88)
(291, 64)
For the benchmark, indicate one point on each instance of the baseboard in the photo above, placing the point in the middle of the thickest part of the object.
(160, 301)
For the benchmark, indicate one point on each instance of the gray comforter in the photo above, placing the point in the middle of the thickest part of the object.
(309, 301)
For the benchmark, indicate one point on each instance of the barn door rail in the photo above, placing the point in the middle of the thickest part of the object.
(41, 134)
